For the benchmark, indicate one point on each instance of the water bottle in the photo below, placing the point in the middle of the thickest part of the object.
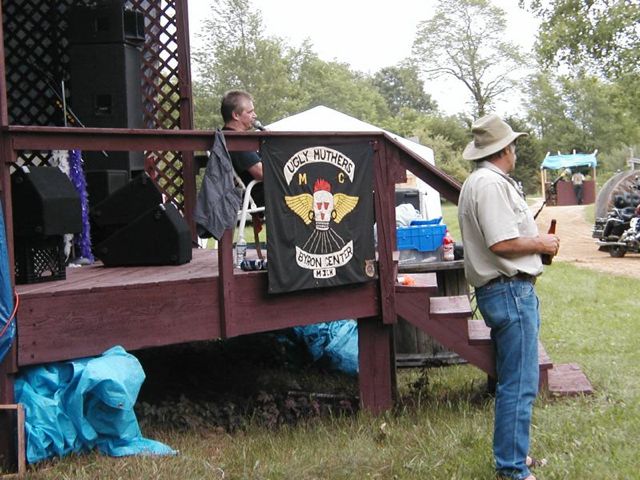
(447, 247)
(241, 251)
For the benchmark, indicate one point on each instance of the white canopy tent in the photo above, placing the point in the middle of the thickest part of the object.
(325, 119)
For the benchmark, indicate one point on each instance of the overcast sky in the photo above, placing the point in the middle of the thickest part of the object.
(367, 34)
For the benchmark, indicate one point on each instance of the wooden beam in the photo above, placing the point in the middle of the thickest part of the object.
(386, 228)
(446, 185)
(12, 422)
(122, 139)
(225, 283)
(377, 370)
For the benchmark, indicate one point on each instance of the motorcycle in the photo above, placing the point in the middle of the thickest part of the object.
(629, 241)
(611, 228)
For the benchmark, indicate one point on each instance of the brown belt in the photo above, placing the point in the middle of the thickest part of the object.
(518, 276)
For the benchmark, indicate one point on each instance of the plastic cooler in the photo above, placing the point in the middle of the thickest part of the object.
(421, 241)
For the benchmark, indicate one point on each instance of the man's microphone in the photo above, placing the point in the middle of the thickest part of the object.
(258, 125)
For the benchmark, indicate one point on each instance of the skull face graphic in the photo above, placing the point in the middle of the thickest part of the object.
(322, 204)
(322, 209)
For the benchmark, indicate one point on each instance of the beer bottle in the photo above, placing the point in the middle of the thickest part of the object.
(546, 258)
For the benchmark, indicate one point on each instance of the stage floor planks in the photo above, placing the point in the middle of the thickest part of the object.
(203, 265)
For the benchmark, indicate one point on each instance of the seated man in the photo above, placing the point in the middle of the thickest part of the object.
(239, 115)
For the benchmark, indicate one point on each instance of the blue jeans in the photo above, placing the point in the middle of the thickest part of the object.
(511, 309)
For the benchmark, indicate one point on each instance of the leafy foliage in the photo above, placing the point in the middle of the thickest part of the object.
(334, 85)
(581, 113)
(402, 88)
(529, 157)
(601, 35)
(237, 54)
(465, 39)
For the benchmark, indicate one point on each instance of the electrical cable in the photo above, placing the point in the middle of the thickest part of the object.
(13, 314)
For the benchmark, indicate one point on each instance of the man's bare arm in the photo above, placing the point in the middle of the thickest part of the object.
(516, 247)
(256, 171)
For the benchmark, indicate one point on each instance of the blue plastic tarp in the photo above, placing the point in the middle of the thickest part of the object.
(7, 332)
(556, 162)
(335, 343)
(83, 404)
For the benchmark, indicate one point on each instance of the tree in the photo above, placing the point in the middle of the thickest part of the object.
(530, 155)
(581, 113)
(237, 54)
(402, 87)
(334, 85)
(599, 35)
(465, 40)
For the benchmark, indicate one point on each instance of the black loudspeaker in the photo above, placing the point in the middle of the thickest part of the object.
(105, 22)
(102, 183)
(159, 236)
(106, 83)
(127, 203)
(45, 202)
(123, 206)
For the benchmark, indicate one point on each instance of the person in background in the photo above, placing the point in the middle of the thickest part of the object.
(577, 179)
(502, 261)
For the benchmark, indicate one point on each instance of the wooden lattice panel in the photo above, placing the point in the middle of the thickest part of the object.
(160, 89)
(37, 62)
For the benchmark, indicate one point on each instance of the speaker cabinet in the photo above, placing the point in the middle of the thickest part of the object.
(45, 202)
(127, 203)
(102, 183)
(123, 206)
(106, 85)
(106, 22)
(106, 82)
(159, 236)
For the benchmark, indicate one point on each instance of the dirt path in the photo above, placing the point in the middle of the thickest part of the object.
(576, 244)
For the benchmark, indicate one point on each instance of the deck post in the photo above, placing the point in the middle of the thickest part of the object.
(186, 110)
(385, 221)
(225, 282)
(377, 369)
(8, 446)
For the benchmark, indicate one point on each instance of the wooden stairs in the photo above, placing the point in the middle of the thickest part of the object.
(448, 320)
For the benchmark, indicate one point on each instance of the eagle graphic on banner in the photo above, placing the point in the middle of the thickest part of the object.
(322, 208)
(320, 203)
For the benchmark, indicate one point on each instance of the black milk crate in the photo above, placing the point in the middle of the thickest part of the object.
(39, 259)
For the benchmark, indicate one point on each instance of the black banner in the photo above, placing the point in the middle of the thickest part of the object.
(319, 204)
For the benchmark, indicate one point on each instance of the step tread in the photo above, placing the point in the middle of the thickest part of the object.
(567, 380)
(422, 282)
(457, 306)
(480, 334)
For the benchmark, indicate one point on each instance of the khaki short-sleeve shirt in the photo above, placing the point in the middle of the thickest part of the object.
(491, 209)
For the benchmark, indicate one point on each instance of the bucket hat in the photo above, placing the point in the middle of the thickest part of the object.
(490, 135)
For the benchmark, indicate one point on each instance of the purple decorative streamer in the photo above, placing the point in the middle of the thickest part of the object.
(76, 174)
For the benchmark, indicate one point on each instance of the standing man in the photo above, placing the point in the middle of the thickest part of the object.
(578, 185)
(502, 261)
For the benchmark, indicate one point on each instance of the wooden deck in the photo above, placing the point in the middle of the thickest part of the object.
(138, 307)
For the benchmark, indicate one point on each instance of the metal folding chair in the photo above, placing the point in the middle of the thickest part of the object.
(249, 207)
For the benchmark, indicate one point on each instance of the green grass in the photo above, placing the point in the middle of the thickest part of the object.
(442, 426)
(450, 217)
